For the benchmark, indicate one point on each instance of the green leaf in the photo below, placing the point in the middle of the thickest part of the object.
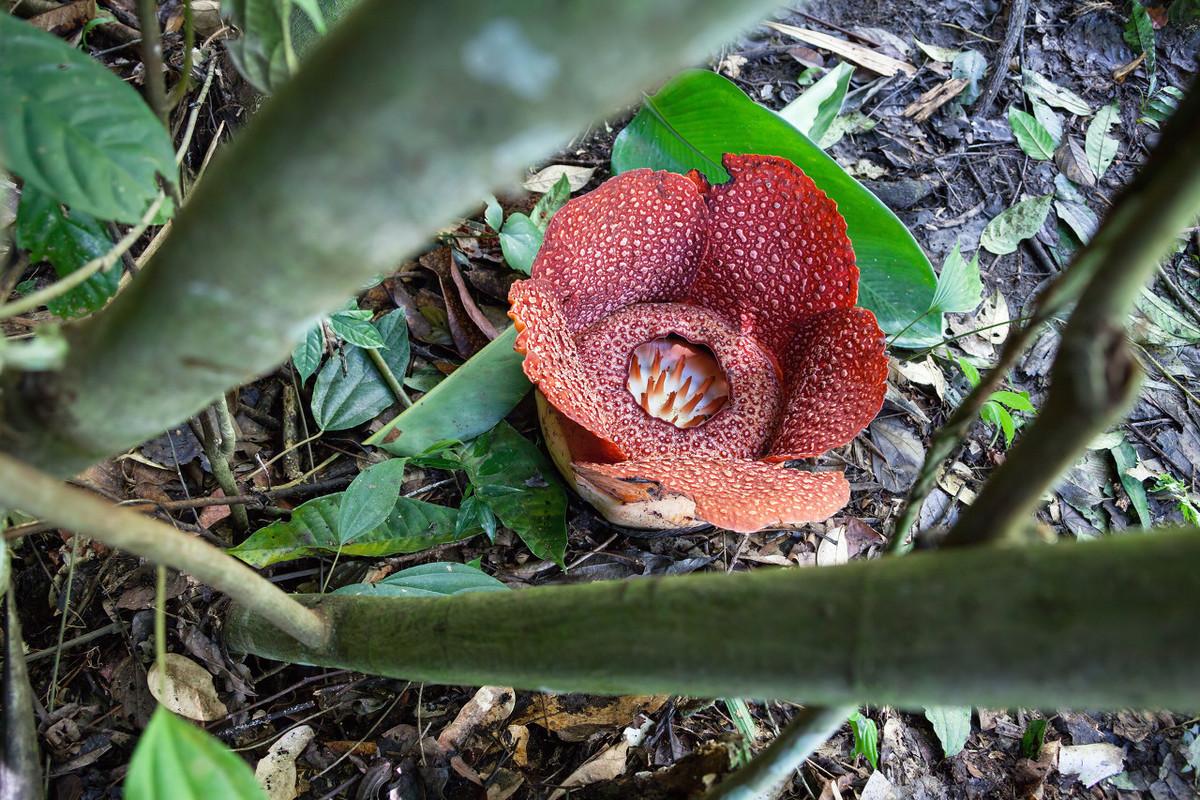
(307, 355)
(970, 371)
(354, 326)
(1139, 34)
(175, 759)
(1049, 120)
(370, 498)
(866, 738)
(952, 724)
(1161, 105)
(971, 66)
(1038, 87)
(1032, 136)
(76, 131)
(493, 214)
(411, 526)
(1017, 401)
(1031, 740)
(440, 579)
(959, 287)
(261, 53)
(813, 111)
(1099, 147)
(46, 350)
(944, 54)
(1004, 233)
(519, 484)
(520, 240)
(550, 202)
(349, 389)
(699, 115)
(998, 417)
(469, 402)
(67, 242)
(312, 9)
(1126, 459)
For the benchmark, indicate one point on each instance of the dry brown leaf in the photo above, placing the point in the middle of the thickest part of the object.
(857, 54)
(924, 106)
(276, 771)
(490, 705)
(68, 15)
(503, 784)
(923, 373)
(544, 180)
(575, 717)
(187, 689)
(605, 766)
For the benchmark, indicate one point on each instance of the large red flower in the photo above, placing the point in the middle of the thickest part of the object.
(687, 339)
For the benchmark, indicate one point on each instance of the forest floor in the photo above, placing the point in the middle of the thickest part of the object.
(946, 177)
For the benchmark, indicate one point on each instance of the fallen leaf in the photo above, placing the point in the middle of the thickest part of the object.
(544, 180)
(833, 548)
(68, 15)
(575, 717)
(490, 705)
(1072, 160)
(878, 788)
(605, 766)
(924, 106)
(1092, 763)
(923, 373)
(731, 65)
(864, 57)
(187, 689)
(276, 771)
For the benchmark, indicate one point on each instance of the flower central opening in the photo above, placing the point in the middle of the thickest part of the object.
(677, 381)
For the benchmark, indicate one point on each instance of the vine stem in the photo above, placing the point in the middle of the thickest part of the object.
(76, 510)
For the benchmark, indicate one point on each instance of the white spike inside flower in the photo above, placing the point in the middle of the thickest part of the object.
(677, 381)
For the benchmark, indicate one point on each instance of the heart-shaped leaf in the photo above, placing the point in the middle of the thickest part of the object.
(349, 389)
(370, 498)
(699, 115)
(952, 724)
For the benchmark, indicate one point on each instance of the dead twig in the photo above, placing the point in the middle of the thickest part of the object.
(1017, 11)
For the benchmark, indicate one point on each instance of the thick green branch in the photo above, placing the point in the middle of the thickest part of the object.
(78, 511)
(304, 207)
(1081, 625)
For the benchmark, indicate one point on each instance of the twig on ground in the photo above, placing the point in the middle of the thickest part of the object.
(1017, 11)
(220, 443)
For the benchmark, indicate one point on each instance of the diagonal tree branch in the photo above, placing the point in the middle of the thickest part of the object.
(344, 173)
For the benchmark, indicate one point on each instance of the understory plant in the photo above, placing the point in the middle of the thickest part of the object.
(304, 207)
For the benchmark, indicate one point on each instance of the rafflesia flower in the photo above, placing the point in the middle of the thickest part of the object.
(686, 339)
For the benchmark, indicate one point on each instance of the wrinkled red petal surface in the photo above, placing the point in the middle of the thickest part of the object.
(734, 494)
(637, 238)
(739, 430)
(836, 375)
(777, 250)
(552, 359)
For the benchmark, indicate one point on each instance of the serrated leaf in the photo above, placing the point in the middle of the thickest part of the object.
(440, 579)
(815, 109)
(1032, 136)
(866, 738)
(469, 402)
(355, 327)
(369, 499)
(307, 355)
(698, 116)
(520, 240)
(176, 759)
(520, 485)
(952, 724)
(76, 131)
(1023, 220)
(1099, 147)
(959, 287)
(67, 241)
(1039, 87)
(411, 526)
(349, 389)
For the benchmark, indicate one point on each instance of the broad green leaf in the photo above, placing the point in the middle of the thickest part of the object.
(263, 54)
(471, 401)
(355, 327)
(520, 485)
(1099, 147)
(970, 371)
(959, 287)
(998, 417)
(76, 131)
(866, 738)
(1126, 459)
(307, 355)
(1004, 233)
(1031, 740)
(1160, 105)
(1039, 87)
(493, 214)
(1017, 401)
(1162, 323)
(699, 115)
(175, 759)
(412, 526)
(1139, 34)
(67, 241)
(1032, 136)
(312, 9)
(370, 498)
(971, 66)
(440, 579)
(349, 389)
(520, 240)
(813, 111)
(938, 53)
(1049, 119)
(952, 724)
(550, 202)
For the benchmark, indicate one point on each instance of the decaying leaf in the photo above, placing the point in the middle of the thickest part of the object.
(605, 766)
(833, 548)
(489, 706)
(1092, 763)
(187, 689)
(544, 180)
(276, 771)
(575, 717)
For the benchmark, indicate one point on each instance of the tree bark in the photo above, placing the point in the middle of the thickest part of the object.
(1096, 625)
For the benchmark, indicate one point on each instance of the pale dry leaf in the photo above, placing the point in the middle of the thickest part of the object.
(187, 689)
(503, 784)
(544, 180)
(731, 65)
(606, 766)
(1092, 763)
(953, 481)
(833, 548)
(879, 788)
(575, 717)
(276, 771)
(490, 705)
(857, 54)
(923, 373)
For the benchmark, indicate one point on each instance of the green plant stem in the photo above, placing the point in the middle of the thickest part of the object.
(160, 620)
(301, 209)
(220, 443)
(78, 511)
(180, 89)
(906, 631)
(1095, 375)
(770, 769)
(152, 63)
(52, 700)
(1162, 200)
(388, 376)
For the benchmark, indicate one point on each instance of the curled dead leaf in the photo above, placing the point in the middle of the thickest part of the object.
(276, 771)
(186, 688)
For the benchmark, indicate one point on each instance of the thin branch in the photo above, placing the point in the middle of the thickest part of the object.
(152, 62)
(1017, 11)
(81, 512)
(389, 377)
